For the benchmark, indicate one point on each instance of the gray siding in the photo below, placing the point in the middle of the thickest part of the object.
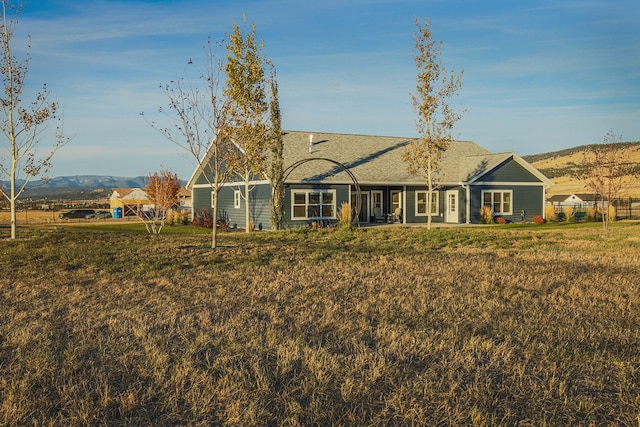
(462, 204)
(259, 197)
(509, 171)
(411, 217)
(259, 205)
(342, 196)
(201, 200)
(527, 198)
(225, 206)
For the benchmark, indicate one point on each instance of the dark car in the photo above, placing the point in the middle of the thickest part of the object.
(99, 214)
(77, 213)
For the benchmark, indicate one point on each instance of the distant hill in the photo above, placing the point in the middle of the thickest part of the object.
(560, 166)
(90, 181)
(79, 186)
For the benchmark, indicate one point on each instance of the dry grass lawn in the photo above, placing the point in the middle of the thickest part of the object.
(505, 325)
(30, 216)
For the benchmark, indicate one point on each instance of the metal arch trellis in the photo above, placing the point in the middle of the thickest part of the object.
(293, 166)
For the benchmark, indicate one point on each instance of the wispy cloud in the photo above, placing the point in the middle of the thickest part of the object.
(537, 76)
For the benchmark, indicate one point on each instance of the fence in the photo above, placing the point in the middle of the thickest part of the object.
(37, 217)
(627, 208)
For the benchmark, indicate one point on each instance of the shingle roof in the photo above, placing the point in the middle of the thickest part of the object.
(585, 197)
(377, 159)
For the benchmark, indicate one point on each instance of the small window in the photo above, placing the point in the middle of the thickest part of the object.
(499, 201)
(421, 203)
(237, 196)
(309, 204)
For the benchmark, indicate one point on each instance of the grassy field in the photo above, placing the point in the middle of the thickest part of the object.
(503, 325)
(40, 217)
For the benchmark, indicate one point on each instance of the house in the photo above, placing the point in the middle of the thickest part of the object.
(321, 168)
(575, 200)
(128, 201)
(132, 200)
(184, 198)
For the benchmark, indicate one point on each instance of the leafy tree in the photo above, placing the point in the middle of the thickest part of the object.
(276, 165)
(23, 124)
(245, 89)
(162, 190)
(436, 118)
(201, 118)
(604, 171)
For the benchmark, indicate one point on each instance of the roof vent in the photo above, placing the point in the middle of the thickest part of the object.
(310, 142)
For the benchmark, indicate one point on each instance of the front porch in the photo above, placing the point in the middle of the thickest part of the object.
(407, 205)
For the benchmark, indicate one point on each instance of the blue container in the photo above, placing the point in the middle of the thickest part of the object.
(117, 213)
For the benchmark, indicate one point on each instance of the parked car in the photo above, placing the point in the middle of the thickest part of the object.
(99, 214)
(77, 213)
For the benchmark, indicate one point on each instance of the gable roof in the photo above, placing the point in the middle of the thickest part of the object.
(129, 194)
(378, 160)
(492, 161)
(576, 197)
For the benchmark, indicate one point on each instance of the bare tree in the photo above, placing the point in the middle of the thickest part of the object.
(201, 119)
(162, 190)
(604, 172)
(276, 164)
(245, 88)
(23, 124)
(435, 117)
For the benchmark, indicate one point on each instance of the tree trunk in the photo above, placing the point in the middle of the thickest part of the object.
(13, 216)
(214, 231)
(13, 199)
(276, 208)
(429, 193)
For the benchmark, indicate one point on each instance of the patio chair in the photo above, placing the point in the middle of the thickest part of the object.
(397, 215)
(377, 213)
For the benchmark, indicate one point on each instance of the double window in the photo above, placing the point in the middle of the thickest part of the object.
(499, 201)
(313, 204)
(422, 207)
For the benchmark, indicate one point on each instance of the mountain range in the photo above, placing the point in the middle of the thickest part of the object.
(85, 186)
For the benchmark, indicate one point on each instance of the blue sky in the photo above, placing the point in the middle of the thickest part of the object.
(538, 75)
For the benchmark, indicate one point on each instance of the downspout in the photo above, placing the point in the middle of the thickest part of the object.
(544, 201)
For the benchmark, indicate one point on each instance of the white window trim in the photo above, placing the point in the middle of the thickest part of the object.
(510, 192)
(433, 194)
(306, 196)
(237, 196)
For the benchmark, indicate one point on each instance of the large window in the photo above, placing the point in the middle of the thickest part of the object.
(499, 201)
(313, 204)
(421, 203)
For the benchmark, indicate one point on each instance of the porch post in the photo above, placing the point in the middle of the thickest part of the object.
(404, 204)
(467, 204)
